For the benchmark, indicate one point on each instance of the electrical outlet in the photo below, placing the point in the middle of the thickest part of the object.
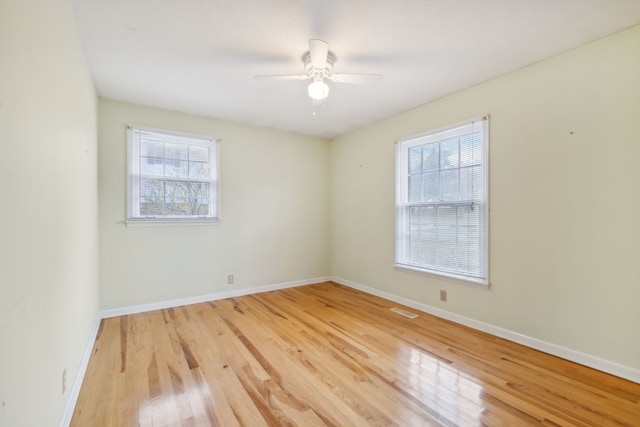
(443, 295)
(64, 380)
(230, 279)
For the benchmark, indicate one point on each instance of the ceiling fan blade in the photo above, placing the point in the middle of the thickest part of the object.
(318, 50)
(356, 78)
(284, 77)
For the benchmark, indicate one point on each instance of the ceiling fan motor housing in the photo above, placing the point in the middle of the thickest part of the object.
(311, 70)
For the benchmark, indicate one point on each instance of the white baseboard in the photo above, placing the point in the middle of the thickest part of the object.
(77, 383)
(205, 298)
(594, 362)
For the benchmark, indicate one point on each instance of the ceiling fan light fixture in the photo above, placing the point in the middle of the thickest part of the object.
(318, 90)
(318, 66)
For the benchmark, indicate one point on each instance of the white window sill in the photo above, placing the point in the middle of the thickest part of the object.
(477, 283)
(173, 222)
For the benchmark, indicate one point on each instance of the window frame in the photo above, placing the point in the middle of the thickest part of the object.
(403, 205)
(134, 176)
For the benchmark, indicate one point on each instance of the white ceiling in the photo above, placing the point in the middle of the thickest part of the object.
(200, 56)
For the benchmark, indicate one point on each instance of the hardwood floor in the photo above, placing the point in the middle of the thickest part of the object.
(328, 355)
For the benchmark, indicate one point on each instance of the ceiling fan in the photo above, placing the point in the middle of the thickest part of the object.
(318, 65)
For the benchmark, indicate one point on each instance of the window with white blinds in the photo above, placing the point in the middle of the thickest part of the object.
(172, 177)
(442, 202)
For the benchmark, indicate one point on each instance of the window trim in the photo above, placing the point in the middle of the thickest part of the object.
(463, 280)
(133, 177)
(401, 190)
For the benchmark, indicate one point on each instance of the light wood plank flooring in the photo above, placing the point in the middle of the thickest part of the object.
(328, 355)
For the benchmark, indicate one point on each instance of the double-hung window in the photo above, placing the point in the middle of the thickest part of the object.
(172, 177)
(442, 202)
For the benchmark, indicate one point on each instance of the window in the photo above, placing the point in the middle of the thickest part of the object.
(172, 177)
(442, 202)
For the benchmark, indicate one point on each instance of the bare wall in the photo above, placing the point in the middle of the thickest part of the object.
(274, 209)
(48, 209)
(564, 201)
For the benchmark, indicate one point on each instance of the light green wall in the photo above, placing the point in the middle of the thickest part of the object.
(565, 201)
(565, 239)
(48, 213)
(274, 203)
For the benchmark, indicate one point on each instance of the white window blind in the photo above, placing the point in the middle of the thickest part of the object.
(442, 201)
(172, 176)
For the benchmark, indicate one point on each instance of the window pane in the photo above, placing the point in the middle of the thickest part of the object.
(151, 149)
(449, 185)
(431, 157)
(176, 151)
(176, 168)
(471, 150)
(177, 189)
(449, 154)
(413, 245)
(428, 248)
(151, 188)
(198, 170)
(446, 237)
(150, 207)
(415, 159)
(431, 187)
(151, 197)
(471, 183)
(199, 198)
(175, 206)
(198, 153)
(414, 219)
(469, 235)
(151, 166)
(415, 188)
